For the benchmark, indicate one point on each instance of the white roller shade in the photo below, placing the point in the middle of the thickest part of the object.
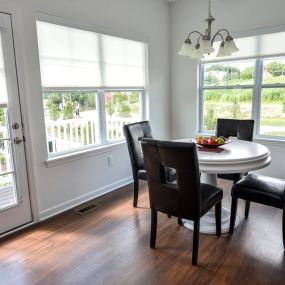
(255, 46)
(123, 61)
(77, 58)
(68, 57)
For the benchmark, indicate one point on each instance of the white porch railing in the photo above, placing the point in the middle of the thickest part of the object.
(115, 127)
(73, 133)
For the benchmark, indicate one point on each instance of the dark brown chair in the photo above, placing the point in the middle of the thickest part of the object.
(260, 189)
(133, 134)
(188, 198)
(242, 130)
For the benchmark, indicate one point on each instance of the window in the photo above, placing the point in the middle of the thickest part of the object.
(272, 110)
(243, 90)
(93, 84)
(227, 92)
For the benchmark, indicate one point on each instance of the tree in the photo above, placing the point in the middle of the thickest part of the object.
(2, 117)
(233, 72)
(124, 109)
(54, 98)
(275, 68)
(110, 108)
(120, 98)
(68, 111)
(235, 108)
(210, 79)
(247, 73)
(217, 67)
(53, 112)
(210, 119)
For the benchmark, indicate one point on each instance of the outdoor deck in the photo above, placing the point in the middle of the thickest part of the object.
(7, 196)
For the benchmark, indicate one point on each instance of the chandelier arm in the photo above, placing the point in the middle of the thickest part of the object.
(196, 33)
(219, 33)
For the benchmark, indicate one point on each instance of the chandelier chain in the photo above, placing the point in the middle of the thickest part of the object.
(210, 3)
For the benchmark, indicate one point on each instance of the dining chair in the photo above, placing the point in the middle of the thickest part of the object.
(260, 189)
(188, 198)
(134, 133)
(242, 130)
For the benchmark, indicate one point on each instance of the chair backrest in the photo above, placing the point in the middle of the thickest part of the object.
(134, 133)
(242, 129)
(182, 199)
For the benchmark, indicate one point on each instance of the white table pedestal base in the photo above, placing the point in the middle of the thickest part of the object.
(208, 221)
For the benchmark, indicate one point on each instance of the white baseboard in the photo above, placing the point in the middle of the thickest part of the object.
(50, 212)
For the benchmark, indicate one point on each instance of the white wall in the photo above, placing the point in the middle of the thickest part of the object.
(65, 185)
(237, 16)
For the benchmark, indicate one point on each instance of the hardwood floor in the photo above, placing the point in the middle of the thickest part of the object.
(111, 246)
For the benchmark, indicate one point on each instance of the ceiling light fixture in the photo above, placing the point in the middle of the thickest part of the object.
(205, 42)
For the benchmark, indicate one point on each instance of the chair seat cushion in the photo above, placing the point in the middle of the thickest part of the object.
(261, 189)
(170, 174)
(210, 196)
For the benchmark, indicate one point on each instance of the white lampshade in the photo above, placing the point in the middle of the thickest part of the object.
(223, 51)
(206, 46)
(197, 54)
(231, 46)
(187, 48)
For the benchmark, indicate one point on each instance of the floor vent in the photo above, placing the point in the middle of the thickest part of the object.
(85, 209)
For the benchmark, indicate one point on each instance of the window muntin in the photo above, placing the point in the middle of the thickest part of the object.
(261, 98)
(73, 60)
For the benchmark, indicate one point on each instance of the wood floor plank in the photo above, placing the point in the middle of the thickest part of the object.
(111, 246)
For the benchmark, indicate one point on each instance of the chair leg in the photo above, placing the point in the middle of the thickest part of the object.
(153, 228)
(195, 242)
(283, 228)
(180, 221)
(247, 207)
(136, 192)
(233, 214)
(218, 214)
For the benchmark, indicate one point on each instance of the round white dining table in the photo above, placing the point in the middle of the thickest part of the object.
(237, 157)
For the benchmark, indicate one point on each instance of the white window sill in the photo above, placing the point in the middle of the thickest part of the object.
(269, 141)
(66, 158)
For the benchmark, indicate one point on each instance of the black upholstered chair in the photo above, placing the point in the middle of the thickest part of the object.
(134, 133)
(260, 189)
(242, 130)
(188, 198)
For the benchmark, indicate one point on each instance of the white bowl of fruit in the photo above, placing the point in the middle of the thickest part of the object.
(212, 141)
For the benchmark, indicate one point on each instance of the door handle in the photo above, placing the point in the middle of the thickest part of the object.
(17, 140)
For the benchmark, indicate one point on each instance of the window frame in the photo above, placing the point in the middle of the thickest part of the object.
(257, 88)
(104, 142)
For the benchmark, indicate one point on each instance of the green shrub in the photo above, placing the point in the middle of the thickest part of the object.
(53, 112)
(68, 111)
